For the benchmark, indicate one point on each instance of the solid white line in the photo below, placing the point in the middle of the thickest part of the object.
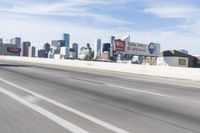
(67, 125)
(153, 93)
(86, 116)
(137, 90)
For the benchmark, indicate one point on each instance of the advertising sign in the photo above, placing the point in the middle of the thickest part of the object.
(152, 49)
(14, 50)
(119, 46)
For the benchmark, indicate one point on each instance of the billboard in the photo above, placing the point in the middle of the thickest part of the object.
(14, 50)
(119, 46)
(152, 49)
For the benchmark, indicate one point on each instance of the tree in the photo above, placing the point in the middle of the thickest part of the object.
(90, 56)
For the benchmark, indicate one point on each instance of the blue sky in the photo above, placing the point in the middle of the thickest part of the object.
(173, 23)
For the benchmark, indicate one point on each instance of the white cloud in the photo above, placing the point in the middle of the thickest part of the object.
(174, 11)
(68, 8)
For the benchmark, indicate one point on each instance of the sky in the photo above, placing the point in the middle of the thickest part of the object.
(175, 24)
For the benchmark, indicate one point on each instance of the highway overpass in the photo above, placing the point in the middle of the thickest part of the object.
(36, 98)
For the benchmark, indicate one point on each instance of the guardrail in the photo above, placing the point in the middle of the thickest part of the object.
(170, 72)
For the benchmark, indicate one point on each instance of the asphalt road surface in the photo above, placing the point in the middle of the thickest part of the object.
(54, 99)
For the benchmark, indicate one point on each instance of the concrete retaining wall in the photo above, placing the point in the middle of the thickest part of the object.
(171, 72)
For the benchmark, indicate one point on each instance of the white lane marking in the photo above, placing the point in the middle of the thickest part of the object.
(153, 93)
(30, 99)
(67, 125)
(86, 116)
(140, 91)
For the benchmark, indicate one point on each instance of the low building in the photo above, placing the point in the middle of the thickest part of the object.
(9, 49)
(105, 55)
(177, 59)
(41, 53)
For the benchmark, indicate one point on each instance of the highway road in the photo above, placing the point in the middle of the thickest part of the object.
(36, 98)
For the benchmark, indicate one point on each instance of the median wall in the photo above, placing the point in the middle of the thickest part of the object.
(168, 72)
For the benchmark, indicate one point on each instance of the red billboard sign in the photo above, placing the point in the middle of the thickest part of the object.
(14, 50)
(119, 46)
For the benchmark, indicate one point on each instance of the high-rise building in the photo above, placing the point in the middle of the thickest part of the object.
(25, 48)
(112, 42)
(97, 48)
(75, 46)
(31, 51)
(106, 47)
(66, 38)
(16, 41)
(112, 39)
(56, 45)
(47, 48)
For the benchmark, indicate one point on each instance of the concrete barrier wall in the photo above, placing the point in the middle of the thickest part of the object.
(170, 72)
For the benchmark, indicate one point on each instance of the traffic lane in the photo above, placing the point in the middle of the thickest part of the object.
(117, 100)
(111, 74)
(62, 81)
(16, 118)
(131, 121)
(163, 88)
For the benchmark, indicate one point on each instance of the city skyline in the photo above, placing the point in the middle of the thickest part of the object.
(174, 24)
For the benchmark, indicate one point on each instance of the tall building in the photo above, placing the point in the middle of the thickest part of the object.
(106, 47)
(16, 41)
(112, 39)
(56, 45)
(75, 47)
(25, 48)
(97, 48)
(47, 48)
(66, 38)
(31, 51)
(112, 42)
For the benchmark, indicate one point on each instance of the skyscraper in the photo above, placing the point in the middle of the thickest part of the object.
(31, 51)
(47, 47)
(16, 41)
(25, 48)
(66, 38)
(97, 48)
(112, 39)
(106, 47)
(56, 45)
(75, 46)
(112, 42)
